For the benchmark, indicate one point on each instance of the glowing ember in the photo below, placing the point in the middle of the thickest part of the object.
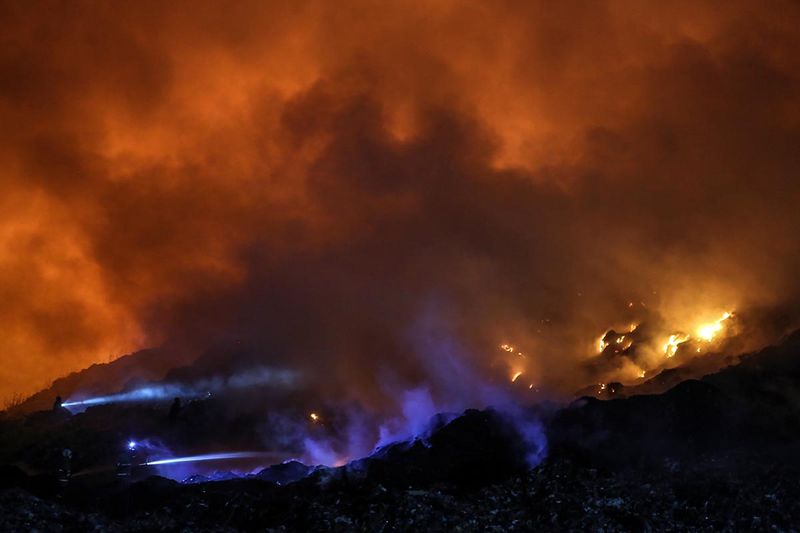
(511, 349)
(707, 332)
(515, 376)
(314, 417)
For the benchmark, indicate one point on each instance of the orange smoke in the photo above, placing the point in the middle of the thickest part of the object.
(321, 178)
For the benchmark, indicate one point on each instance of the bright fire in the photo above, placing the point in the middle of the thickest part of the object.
(671, 346)
(707, 332)
(601, 343)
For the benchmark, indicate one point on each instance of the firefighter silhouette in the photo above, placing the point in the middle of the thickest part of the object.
(65, 472)
(175, 410)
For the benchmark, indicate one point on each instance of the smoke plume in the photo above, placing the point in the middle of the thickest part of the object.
(378, 195)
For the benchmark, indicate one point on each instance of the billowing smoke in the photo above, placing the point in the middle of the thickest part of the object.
(377, 196)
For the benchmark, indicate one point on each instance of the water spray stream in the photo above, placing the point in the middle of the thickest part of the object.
(209, 457)
(259, 376)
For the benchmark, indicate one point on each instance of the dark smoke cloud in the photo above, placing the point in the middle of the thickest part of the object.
(380, 195)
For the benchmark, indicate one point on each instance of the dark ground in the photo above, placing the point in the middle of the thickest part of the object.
(716, 454)
(556, 496)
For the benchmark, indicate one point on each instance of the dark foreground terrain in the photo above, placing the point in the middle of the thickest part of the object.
(715, 454)
(729, 495)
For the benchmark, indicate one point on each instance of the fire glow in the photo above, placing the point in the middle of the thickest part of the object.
(707, 332)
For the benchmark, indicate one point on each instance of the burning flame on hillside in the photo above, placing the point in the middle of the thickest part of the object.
(707, 332)
(646, 343)
(674, 341)
(633, 353)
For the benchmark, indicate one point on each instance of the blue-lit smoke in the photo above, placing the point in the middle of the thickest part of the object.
(452, 386)
(258, 376)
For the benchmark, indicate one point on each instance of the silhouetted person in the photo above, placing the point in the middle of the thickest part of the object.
(57, 404)
(174, 410)
(65, 472)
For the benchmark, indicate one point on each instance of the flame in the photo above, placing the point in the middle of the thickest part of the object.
(601, 344)
(671, 346)
(621, 341)
(707, 332)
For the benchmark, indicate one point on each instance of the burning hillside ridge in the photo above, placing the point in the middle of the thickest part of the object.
(646, 344)
(277, 414)
(641, 350)
(254, 412)
(630, 354)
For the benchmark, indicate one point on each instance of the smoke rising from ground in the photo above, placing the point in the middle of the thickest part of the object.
(378, 195)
